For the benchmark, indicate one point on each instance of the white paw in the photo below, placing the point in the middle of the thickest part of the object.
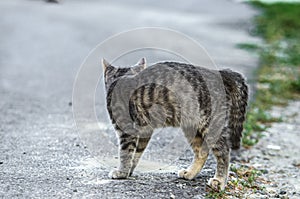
(216, 184)
(186, 174)
(116, 174)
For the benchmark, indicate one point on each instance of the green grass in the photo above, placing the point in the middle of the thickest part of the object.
(278, 21)
(278, 77)
(242, 180)
(278, 81)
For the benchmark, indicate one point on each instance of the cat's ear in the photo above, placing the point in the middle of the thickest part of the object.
(105, 64)
(142, 63)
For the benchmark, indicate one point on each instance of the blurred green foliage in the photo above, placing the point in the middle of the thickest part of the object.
(278, 77)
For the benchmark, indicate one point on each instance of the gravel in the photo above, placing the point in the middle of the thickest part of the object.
(278, 154)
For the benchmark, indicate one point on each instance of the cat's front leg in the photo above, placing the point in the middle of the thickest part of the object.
(125, 164)
(127, 149)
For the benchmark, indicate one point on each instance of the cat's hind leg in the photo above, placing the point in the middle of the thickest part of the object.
(142, 144)
(201, 152)
(127, 149)
(222, 153)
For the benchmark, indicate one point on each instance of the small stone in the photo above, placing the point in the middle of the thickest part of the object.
(172, 196)
(257, 165)
(1, 162)
(282, 192)
(274, 185)
(296, 163)
(253, 196)
(270, 190)
(264, 171)
(52, 1)
(272, 153)
(273, 147)
(70, 103)
(75, 190)
(233, 174)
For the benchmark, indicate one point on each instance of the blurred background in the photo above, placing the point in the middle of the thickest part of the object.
(43, 44)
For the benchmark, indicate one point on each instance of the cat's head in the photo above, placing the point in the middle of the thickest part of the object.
(112, 73)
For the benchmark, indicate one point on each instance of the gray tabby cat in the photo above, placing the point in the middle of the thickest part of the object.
(141, 99)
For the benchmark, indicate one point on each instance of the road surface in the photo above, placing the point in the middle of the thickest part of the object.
(42, 46)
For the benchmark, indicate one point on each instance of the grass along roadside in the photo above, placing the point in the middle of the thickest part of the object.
(278, 81)
(243, 180)
(278, 77)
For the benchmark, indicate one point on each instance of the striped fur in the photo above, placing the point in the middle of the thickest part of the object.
(208, 105)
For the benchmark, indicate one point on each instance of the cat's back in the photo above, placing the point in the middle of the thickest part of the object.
(168, 73)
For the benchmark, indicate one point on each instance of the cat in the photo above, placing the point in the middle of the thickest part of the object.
(140, 99)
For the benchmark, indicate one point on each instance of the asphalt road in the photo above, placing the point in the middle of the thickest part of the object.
(41, 48)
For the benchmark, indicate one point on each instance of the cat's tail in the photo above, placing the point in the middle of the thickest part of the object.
(237, 92)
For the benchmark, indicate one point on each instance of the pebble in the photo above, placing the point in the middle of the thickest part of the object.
(273, 147)
(272, 153)
(264, 171)
(257, 165)
(282, 192)
(257, 196)
(284, 197)
(296, 163)
(270, 190)
(281, 171)
(172, 196)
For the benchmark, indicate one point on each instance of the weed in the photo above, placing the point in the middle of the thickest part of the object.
(242, 180)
